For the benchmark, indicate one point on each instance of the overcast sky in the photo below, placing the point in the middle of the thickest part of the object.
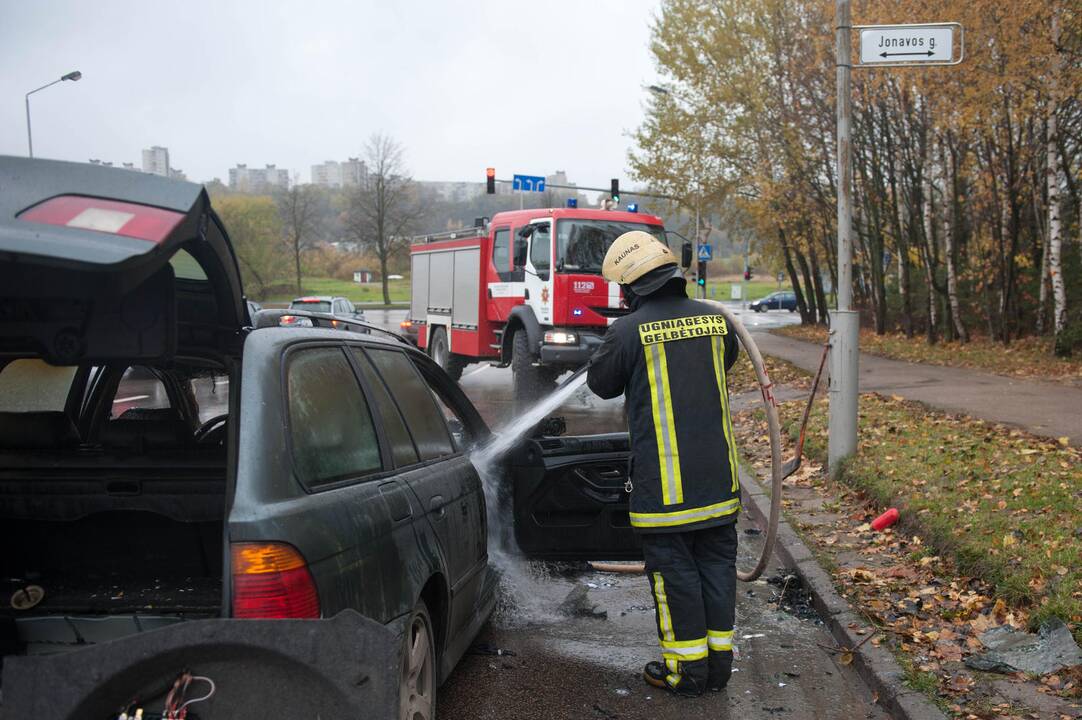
(529, 87)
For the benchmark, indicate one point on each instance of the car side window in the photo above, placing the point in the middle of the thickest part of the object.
(423, 416)
(139, 389)
(460, 434)
(330, 425)
(402, 448)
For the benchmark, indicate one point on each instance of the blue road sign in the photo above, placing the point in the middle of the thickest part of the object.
(706, 252)
(528, 183)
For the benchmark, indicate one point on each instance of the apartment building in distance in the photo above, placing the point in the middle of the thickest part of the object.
(156, 160)
(333, 174)
(258, 181)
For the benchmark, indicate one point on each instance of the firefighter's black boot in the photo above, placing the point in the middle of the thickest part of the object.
(685, 684)
(721, 669)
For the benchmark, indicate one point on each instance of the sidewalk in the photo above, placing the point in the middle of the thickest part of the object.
(1041, 408)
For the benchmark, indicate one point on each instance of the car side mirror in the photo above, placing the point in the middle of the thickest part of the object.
(685, 255)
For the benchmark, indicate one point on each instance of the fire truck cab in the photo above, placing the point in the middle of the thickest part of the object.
(525, 290)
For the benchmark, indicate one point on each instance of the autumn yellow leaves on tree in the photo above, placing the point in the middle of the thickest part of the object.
(966, 178)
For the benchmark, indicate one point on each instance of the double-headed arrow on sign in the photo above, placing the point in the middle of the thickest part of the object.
(929, 53)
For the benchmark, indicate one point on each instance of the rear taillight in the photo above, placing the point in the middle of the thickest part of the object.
(294, 321)
(108, 216)
(406, 324)
(271, 580)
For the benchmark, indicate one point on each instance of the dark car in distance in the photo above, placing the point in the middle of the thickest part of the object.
(781, 300)
(172, 468)
(337, 306)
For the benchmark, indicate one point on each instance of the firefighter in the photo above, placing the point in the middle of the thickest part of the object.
(669, 357)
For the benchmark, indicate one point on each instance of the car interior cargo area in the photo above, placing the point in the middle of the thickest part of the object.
(91, 538)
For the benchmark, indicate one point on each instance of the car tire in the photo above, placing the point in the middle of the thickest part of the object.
(439, 350)
(417, 676)
(526, 378)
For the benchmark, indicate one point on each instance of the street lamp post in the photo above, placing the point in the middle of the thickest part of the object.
(73, 76)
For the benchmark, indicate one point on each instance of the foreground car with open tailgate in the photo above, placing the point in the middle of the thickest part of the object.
(326, 491)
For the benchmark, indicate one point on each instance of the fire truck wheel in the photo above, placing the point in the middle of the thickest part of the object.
(439, 351)
(525, 376)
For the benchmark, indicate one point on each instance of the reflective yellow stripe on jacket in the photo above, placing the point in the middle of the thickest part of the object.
(685, 517)
(727, 421)
(668, 455)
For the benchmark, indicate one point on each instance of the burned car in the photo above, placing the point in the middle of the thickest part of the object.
(290, 514)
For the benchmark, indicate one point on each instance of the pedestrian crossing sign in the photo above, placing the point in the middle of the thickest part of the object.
(706, 252)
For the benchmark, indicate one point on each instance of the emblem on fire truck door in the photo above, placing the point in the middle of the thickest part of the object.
(545, 295)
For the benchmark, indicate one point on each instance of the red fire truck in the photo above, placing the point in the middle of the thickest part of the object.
(525, 290)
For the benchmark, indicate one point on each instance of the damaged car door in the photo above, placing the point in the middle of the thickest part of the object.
(569, 498)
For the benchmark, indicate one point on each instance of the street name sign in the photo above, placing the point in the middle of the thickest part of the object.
(528, 183)
(890, 45)
(706, 252)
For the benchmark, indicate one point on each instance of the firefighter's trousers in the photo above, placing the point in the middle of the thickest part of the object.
(693, 577)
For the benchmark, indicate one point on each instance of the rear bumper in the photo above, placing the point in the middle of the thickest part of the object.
(574, 356)
(342, 667)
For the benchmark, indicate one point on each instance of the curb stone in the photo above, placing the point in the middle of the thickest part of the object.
(875, 665)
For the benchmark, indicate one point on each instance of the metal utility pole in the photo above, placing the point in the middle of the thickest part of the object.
(844, 322)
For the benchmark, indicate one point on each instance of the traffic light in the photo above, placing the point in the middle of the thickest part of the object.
(701, 280)
(490, 174)
(615, 191)
(747, 274)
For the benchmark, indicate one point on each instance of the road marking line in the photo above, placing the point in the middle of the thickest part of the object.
(478, 370)
(129, 399)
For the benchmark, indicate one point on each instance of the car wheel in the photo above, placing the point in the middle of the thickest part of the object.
(526, 378)
(439, 350)
(417, 683)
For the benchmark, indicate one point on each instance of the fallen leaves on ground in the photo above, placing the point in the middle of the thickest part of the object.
(908, 581)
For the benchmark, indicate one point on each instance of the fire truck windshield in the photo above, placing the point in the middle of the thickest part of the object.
(581, 244)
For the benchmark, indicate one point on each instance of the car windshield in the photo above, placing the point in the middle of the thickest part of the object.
(581, 244)
(312, 305)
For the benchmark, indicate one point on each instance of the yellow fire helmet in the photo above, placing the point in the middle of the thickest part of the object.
(633, 255)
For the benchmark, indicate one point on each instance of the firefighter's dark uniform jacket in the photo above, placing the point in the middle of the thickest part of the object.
(670, 356)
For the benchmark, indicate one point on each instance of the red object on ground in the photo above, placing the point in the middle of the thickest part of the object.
(886, 519)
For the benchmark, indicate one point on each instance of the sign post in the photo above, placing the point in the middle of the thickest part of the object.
(880, 46)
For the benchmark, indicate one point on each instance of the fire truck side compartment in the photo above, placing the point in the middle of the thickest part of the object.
(467, 288)
(419, 296)
(441, 281)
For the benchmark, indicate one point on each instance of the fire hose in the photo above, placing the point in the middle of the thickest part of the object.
(778, 471)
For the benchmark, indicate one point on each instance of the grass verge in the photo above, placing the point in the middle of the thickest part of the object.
(1026, 357)
(1003, 503)
(368, 293)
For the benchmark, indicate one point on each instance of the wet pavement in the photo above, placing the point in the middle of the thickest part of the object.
(584, 659)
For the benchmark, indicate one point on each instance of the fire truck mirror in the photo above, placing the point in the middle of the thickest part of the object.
(685, 255)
